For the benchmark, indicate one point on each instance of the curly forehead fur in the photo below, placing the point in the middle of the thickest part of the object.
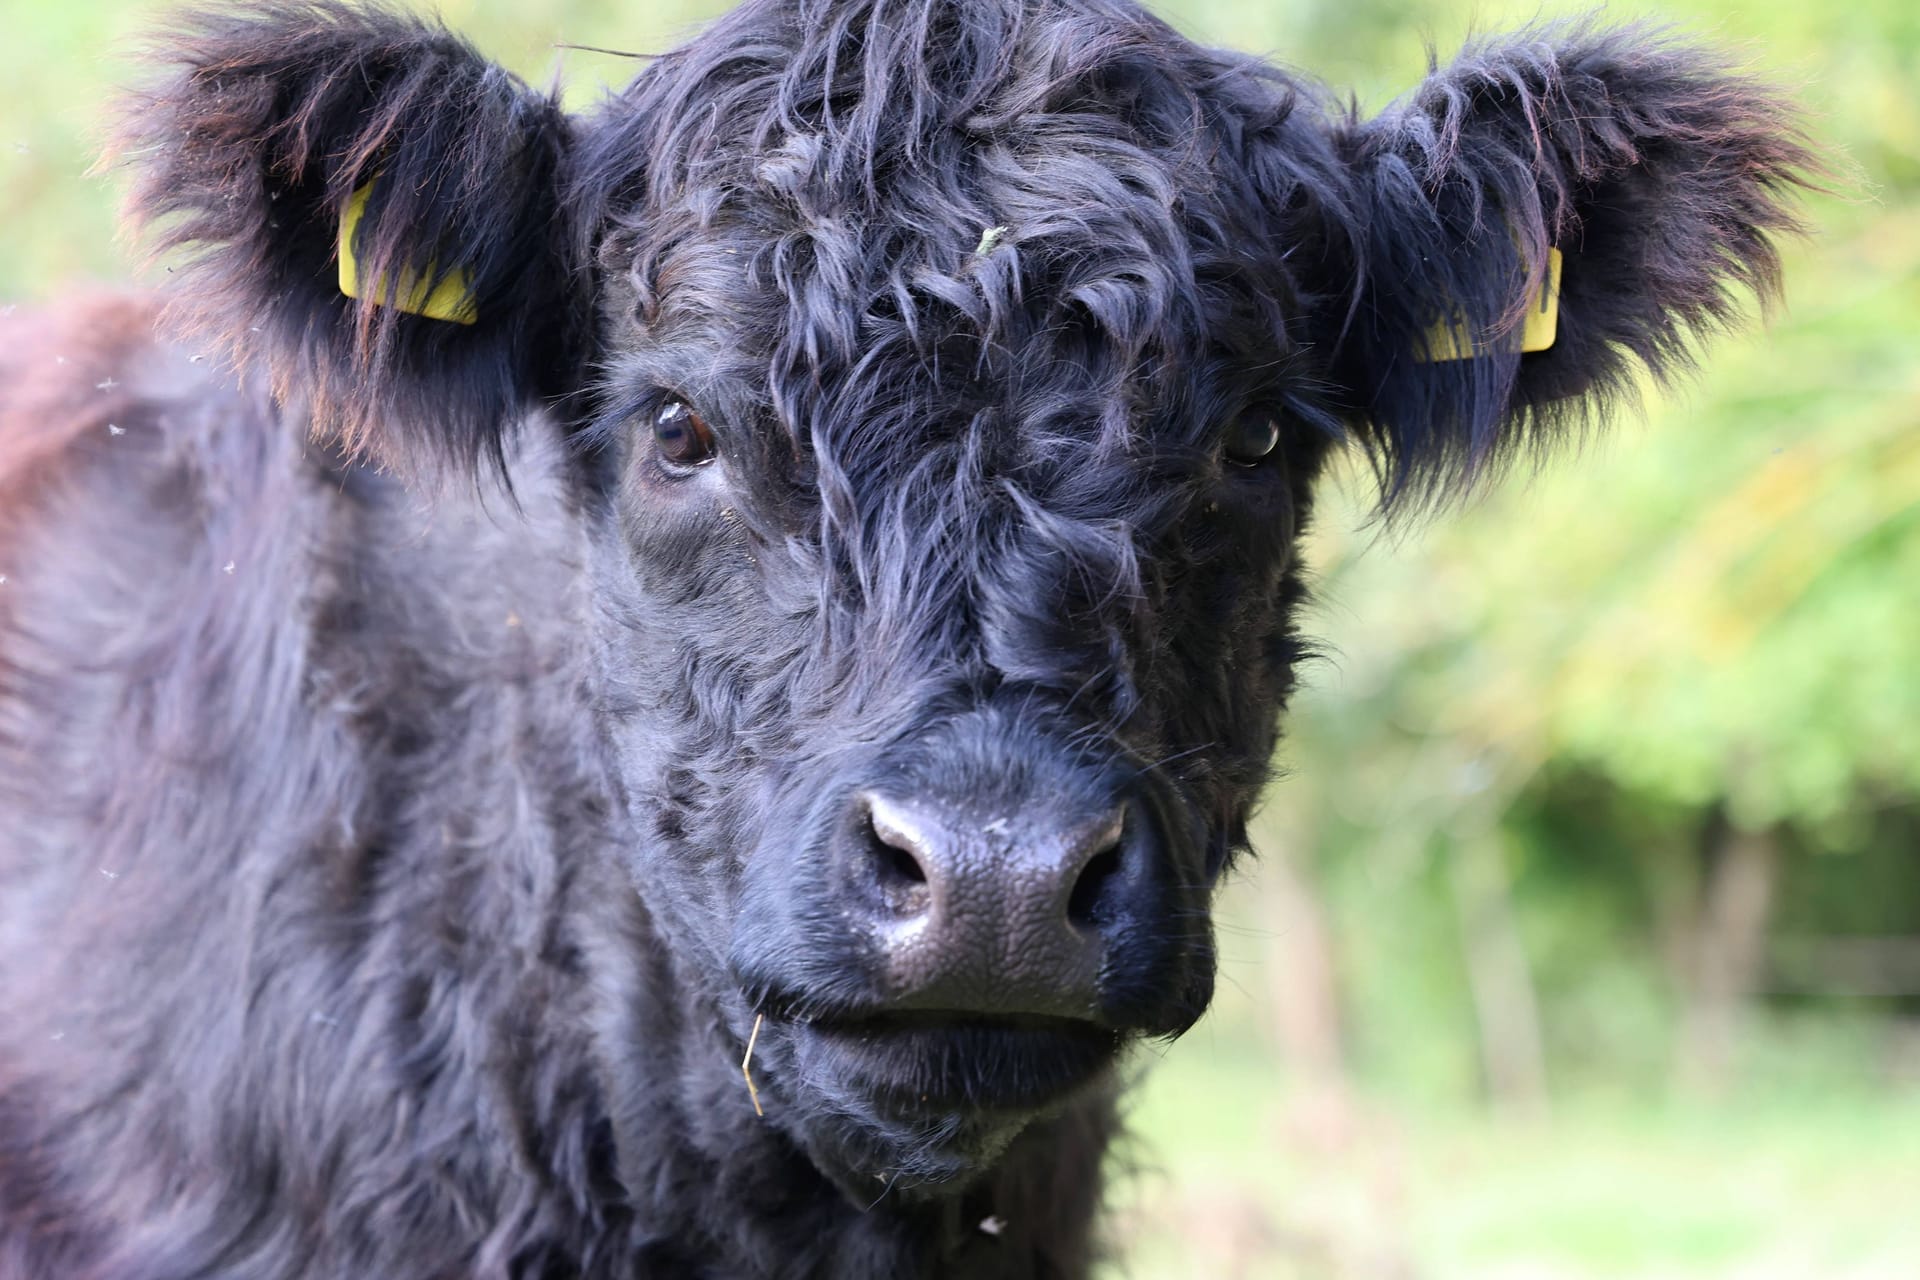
(911, 174)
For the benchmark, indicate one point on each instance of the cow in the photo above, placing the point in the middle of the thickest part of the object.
(663, 692)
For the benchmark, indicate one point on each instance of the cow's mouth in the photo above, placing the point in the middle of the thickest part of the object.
(922, 1102)
(931, 1062)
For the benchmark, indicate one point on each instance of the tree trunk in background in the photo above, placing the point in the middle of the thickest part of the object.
(1505, 1006)
(1304, 1013)
(1726, 950)
(1304, 991)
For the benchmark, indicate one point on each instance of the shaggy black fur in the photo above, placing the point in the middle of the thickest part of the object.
(415, 784)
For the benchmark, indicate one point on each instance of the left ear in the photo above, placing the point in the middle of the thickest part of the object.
(1657, 174)
(287, 142)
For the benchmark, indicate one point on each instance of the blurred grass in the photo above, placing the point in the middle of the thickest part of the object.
(1243, 1174)
(1712, 610)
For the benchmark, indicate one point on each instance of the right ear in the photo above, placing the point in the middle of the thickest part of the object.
(254, 146)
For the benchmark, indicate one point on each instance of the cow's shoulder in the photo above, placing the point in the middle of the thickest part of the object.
(65, 369)
(97, 401)
(156, 512)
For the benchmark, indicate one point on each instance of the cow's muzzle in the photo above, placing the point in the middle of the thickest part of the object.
(986, 897)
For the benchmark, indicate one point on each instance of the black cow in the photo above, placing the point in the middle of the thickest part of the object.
(798, 562)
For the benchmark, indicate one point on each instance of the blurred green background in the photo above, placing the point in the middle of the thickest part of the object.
(1585, 940)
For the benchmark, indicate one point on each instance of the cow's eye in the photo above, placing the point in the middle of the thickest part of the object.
(680, 435)
(1251, 438)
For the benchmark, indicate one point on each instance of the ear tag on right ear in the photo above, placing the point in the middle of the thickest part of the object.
(1537, 332)
(451, 299)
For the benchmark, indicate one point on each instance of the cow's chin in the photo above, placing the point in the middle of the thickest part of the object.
(920, 1104)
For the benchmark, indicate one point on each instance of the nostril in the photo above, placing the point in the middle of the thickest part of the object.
(1087, 905)
(896, 861)
(894, 853)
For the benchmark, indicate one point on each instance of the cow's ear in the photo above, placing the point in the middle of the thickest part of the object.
(1657, 175)
(274, 125)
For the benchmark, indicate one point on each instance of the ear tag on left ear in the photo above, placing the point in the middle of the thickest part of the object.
(450, 299)
(1537, 332)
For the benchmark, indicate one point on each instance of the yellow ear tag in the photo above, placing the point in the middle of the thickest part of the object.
(450, 299)
(1537, 331)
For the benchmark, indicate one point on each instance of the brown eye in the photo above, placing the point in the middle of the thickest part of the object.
(682, 438)
(1252, 438)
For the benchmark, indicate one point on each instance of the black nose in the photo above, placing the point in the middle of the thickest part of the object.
(1000, 913)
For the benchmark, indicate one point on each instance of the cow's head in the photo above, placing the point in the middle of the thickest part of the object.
(947, 382)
